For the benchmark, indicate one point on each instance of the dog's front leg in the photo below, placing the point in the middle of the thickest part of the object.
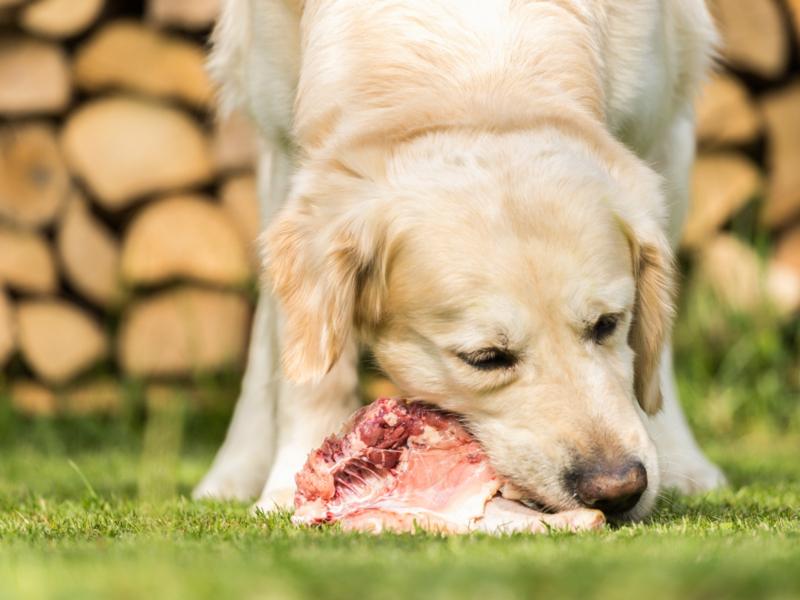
(683, 465)
(306, 415)
(243, 462)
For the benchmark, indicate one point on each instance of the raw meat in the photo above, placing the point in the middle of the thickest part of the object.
(398, 466)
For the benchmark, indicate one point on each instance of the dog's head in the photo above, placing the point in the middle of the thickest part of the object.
(521, 280)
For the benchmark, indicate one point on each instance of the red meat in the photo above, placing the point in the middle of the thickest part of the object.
(398, 466)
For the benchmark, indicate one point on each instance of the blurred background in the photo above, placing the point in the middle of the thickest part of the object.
(128, 268)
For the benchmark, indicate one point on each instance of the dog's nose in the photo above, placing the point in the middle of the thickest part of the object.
(613, 490)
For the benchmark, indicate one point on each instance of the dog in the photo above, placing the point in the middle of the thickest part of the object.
(487, 193)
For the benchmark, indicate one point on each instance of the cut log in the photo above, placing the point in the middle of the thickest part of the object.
(26, 262)
(783, 273)
(182, 331)
(34, 76)
(184, 237)
(163, 395)
(58, 340)
(782, 116)
(34, 182)
(234, 143)
(721, 185)
(725, 112)
(754, 37)
(794, 13)
(60, 18)
(8, 334)
(101, 397)
(33, 399)
(734, 273)
(89, 254)
(188, 14)
(128, 55)
(240, 201)
(125, 148)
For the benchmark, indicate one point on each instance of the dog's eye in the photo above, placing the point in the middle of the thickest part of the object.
(489, 359)
(603, 328)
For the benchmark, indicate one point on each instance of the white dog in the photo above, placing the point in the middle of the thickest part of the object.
(487, 193)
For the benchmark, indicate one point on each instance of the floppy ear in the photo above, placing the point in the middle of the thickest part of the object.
(652, 318)
(325, 256)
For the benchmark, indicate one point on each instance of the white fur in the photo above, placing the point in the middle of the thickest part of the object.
(633, 67)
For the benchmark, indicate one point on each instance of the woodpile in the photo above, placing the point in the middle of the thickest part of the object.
(34, 76)
(34, 182)
(184, 237)
(129, 218)
(128, 210)
(754, 35)
(59, 18)
(129, 55)
(125, 148)
(57, 339)
(746, 182)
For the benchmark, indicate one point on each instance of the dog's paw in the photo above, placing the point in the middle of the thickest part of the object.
(695, 476)
(277, 499)
(232, 485)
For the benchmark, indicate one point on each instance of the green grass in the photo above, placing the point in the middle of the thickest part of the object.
(86, 510)
(100, 508)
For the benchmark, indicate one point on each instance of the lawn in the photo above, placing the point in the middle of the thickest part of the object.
(87, 509)
(100, 508)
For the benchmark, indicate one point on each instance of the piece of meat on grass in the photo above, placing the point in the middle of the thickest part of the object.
(398, 466)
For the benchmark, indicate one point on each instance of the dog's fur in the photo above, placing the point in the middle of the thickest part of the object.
(468, 178)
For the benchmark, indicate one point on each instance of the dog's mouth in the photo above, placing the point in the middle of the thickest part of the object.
(509, 490)
(528, 497)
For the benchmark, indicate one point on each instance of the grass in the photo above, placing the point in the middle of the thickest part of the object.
(87, 511)
(99, 508)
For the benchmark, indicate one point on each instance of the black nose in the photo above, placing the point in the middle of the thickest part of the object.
(611, 489)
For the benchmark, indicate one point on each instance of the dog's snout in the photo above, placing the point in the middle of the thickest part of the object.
(611, 489)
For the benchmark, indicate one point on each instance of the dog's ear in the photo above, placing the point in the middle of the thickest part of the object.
(652, 317)
(325, 256)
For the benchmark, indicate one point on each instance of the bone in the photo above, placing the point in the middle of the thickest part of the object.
(505, 516)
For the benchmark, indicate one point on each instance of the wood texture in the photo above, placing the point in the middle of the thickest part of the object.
(128, 55)
(783, 275)
(89, 254)
(60, 18)
(754, 35)
(182, 331)
(95, 397)
(188, 14)
(234, 143)
(239, 198)
(125, 148)
(8, 334)
(782, 117)
(725, 113)
(34, 182)
(721, 185)
(58, 340)
(734, 272)
(34, 76)
(184, 237)
(26, 262)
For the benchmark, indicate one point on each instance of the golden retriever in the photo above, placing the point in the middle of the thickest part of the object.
(486, 192)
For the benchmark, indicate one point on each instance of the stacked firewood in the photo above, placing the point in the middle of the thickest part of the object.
(748, 166)
(128, 213)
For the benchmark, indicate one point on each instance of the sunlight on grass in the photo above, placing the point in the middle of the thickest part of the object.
(98, 508)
